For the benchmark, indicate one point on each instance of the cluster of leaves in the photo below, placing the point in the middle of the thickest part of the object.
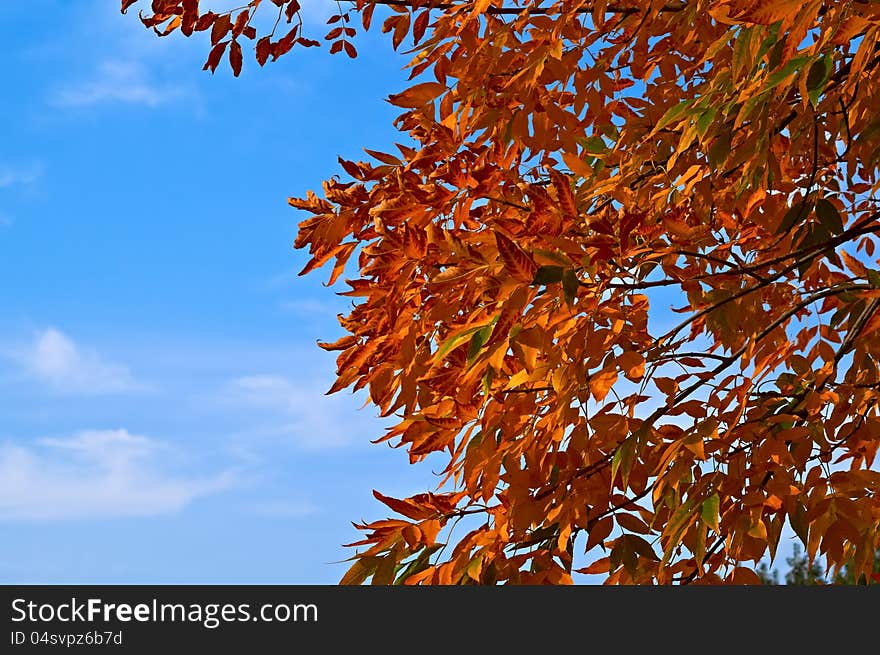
(228, 28)
(569, 167)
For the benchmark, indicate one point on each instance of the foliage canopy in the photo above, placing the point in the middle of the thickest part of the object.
(569, 170)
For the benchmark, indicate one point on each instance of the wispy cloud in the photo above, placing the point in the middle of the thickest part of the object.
(116, 82)
(11, 176)
(95, 474)
(55, 359)
(301, 412)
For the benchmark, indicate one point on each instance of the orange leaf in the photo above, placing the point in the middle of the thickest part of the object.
(563, 192)
(599, 566)
(408, 509)
(417, 95)
(430, 529)
(601, 383)
(632, 364)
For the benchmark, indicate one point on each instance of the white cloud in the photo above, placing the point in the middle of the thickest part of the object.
(116, 82)
(94, 474)
(303, 413)
(19, 175)
(56, 359)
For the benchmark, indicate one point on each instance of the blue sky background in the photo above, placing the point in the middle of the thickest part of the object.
(161, 394)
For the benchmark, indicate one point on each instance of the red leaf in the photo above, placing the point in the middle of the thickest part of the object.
(205, 21)
(221, 27)
(292, 8)
(420, 25)
(215, 56)
(515, 259)
(284, 45)
(240, 22)
(235, 58)
(190, 16)
(264, 47)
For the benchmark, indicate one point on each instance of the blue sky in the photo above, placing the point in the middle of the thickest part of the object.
(161, 394)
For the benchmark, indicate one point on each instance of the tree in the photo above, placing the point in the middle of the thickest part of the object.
(800, 571)
(803, 572)
(569, 170)
(849, 574)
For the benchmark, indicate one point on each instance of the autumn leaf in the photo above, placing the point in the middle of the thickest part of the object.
(417, 95)
(516, 260)
(632, 364)
(235, 58)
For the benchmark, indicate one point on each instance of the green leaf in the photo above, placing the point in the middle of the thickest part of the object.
(624, 553)
(796, 212)
(874, 278)
(626, 550)
(770, 41)
(386, 569)
(710, 511)
(417, 564)
(548, 275)
(675, 528)
(705, 120)
(477, 340)
(817, 234)
(799, 524)
(741, 47)
(488, 376)
(817, 78)
(594, 145)
(362, 569)
(673, 114)
(776, 54)
(456, 340)
(642, 547)
(785, 72)
(720, 150)
(828, 215)
(623, 459)
(570, 285)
